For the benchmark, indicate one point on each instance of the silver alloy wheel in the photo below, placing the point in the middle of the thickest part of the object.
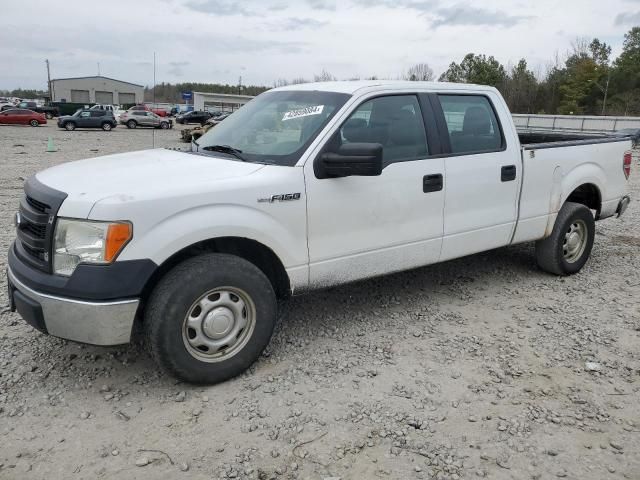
(106, 127)
(575, 241)
(34, 123)
(219, 324)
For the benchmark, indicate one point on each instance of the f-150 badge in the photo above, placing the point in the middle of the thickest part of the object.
(283, 197)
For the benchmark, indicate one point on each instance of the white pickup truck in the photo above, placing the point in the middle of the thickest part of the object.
(305, 187)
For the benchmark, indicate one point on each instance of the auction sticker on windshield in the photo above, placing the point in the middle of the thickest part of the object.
(303, 112)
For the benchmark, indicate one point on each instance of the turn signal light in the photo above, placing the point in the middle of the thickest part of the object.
(118, 234)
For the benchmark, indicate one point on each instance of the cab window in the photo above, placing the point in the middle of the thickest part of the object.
(395, 122)
(472, 124)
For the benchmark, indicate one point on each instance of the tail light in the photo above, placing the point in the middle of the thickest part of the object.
(626, 164)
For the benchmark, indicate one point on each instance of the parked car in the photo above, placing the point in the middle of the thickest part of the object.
(88, 118)
(305, 187)
(110, 108)
(158, 111)
(142, 118)
(49, 112)
(22, 116)
(195, 116)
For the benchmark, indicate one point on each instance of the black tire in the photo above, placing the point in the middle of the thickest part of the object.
(48, 115)
(164, 125)
(551, 253)
(34, 123)
(173, 299)
(132, 124)
(69, 126)
(106, 126)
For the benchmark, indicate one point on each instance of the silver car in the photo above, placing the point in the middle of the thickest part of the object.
(143, 118)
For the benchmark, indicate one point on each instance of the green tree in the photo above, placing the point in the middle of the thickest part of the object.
(478, 69)
(520, 88)
(625, 76)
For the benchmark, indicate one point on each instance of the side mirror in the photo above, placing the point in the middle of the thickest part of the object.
(352, 159)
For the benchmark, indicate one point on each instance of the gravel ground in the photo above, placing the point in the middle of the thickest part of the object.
(473, 368)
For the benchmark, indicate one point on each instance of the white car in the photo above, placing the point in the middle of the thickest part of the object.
(305, 187)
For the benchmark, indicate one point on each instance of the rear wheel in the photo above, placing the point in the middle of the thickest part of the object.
(106, 126)
(132, 124)
(34, 123)
(70, 126)
(567, 249)
(210, 318)
(48, 115)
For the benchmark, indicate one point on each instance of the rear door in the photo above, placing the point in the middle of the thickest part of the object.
(483, 170)
(363, 226)
(97, 116)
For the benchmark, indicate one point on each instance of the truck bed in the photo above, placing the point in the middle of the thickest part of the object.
(540, 139)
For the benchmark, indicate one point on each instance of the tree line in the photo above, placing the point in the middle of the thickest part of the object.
(584, 81)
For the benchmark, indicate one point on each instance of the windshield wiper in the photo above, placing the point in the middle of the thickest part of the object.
(226, 149)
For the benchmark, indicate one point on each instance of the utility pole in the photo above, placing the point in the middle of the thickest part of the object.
(49, 81)
(240, 85)
(606, 91)
(98, 68)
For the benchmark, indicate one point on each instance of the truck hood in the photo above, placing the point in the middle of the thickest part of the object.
(132, 176)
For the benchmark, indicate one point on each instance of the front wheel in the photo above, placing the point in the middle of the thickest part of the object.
(131, 124)
(106, 127)
(69, 126)
(164, 125)
(567, 249)
(48, 115)
(34, 123)
(210, 318)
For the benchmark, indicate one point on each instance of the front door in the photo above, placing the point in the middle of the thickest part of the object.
(364, 226)
(483, 172)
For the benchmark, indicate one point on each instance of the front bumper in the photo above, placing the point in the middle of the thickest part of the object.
(96, 323)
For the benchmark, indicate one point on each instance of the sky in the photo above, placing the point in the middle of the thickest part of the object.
(217, 41)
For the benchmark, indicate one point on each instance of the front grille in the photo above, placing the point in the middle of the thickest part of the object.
(38, 231)
(39, 206)
(34, 252)
(37, 213)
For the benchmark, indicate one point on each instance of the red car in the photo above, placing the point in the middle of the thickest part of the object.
(22, 116)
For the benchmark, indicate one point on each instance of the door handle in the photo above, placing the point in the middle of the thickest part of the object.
(508, 173)
(432, 183)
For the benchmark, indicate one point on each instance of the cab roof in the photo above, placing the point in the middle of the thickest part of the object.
(353, 86)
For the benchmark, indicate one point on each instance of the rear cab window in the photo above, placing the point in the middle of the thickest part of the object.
(472, 124)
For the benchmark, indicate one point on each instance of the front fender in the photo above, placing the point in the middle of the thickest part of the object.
(188, 227)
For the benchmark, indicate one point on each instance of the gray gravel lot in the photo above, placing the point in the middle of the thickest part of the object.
(468, 369)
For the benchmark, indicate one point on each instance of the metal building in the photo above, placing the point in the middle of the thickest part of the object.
(96, 89)
(222, 102)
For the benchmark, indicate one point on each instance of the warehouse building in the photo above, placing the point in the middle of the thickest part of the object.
(219, 102)
(96, 89)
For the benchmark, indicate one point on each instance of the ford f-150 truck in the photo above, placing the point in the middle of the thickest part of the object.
(304, 187)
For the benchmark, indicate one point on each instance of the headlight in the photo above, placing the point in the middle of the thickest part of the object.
(84, 241)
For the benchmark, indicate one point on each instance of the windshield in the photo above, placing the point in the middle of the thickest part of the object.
(275, 127)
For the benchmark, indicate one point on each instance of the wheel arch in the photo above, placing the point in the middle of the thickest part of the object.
(251, 250)
(589, 195)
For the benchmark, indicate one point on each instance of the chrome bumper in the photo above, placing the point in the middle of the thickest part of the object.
(96, 323)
